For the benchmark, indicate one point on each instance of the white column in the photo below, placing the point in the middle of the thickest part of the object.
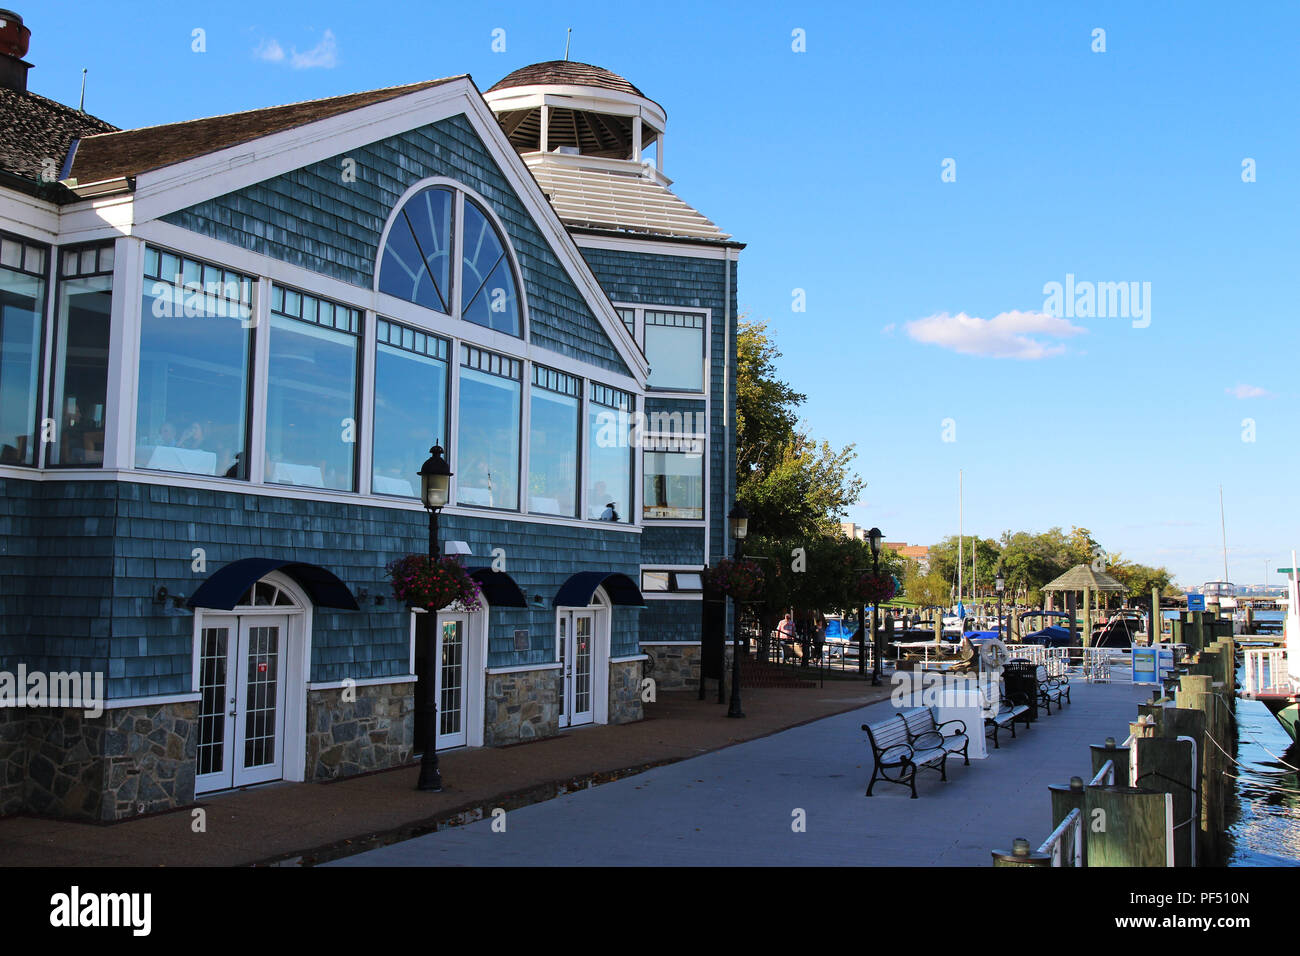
(123, 353)
(546, 124)
(636, 139)
(261, 381)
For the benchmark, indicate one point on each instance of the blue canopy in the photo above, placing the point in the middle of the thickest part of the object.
(498, 588)
(579, 589)
(223, 588)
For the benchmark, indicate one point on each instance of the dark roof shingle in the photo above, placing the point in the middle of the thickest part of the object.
(566, 73)
(36, 130)
(131, 152)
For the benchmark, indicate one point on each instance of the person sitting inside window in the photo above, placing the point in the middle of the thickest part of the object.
(609, 514)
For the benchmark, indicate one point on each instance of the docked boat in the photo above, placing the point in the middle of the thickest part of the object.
(1272, 675)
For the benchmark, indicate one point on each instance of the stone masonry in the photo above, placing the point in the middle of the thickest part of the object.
(375, 731)
(625, 692)
(673, 666)
(521, 705)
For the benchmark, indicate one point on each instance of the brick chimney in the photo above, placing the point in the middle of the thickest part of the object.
(14, 38)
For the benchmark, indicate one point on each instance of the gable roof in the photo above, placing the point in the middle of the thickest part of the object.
(128, 153)
(36, 129)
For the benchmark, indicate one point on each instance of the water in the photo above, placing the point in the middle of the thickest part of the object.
(1266, 831)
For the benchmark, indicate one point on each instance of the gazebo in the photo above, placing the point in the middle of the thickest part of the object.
(1085, 578)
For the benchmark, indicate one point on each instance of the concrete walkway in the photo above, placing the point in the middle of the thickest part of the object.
(735, 807)
(306, 823)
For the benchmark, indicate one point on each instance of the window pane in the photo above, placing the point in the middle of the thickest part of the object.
(21, 299)
(487, 441)
(553, 454)
(416, 264)
(674, 485)
(311, 406)
(609, 464)
(410, 418)
(192, 407)
(676, 357)
(488, 297)
(654, 580)
(81, 369)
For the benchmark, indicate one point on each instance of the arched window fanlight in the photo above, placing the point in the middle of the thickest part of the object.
(416, 264)
(488, 295)
(416, 261)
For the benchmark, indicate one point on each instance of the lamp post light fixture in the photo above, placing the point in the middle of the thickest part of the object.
(999, 584)
(739, 521)
(435, 487)
(874, 536)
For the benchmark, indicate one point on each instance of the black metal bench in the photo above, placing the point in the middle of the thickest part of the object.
(921, 725)
(1010, 710)
(1052, 690)
(896, 759)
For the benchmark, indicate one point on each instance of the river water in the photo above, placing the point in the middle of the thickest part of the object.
(1266, 831)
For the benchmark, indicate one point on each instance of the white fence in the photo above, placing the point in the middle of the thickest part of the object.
(1265, 671)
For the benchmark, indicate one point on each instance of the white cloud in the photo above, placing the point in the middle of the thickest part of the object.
(269, 50)
(1007, 335)
(1249, 391)
(323, 55)
(888, 329)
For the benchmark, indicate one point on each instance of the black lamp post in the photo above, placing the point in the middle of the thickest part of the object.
(739, 519)
(874, 536)
(999, 583)
(435, 486)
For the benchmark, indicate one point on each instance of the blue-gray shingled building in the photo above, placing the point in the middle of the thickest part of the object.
(227, 346)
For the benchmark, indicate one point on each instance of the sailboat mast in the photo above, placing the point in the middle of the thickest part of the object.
(1223, 528)
(961, 560)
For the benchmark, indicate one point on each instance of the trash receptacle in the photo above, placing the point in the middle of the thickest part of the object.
(1021, 680)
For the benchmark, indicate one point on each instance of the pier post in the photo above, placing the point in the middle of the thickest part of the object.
(1087, 617)
(1170, 765)
(1065, 799)
(1127, 826)
(1119, 756)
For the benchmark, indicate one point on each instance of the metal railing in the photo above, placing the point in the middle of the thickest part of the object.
(1066, 841)
(1265, 671)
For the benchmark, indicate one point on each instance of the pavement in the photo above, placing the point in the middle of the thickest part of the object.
(311, 823)
(796, 799)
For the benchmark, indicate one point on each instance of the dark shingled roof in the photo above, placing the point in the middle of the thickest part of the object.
(34, 129)
(566, 73)
(134, 151)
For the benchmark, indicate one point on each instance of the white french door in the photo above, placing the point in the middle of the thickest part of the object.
(241, 713)
(453, 629)
(575, 640)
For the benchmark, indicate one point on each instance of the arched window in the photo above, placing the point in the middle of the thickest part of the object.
(488, 297)
(416, 262)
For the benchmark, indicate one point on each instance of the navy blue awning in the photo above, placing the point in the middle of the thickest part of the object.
(499, 588)
(223, 589)
(578, 590)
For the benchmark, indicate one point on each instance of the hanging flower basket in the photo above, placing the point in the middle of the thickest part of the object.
(742, 580)
(875, 589)
(418, 582)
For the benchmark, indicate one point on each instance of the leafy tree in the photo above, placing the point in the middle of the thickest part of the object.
(792, 485)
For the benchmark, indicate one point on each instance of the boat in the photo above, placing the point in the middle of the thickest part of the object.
(1118, 630)
(1049, 635)
(1272, 675)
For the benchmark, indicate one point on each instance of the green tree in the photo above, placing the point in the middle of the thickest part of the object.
(792, 485)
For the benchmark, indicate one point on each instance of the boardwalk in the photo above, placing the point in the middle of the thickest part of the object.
(734, 807)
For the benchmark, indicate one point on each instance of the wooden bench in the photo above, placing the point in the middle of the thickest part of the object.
(921, 724)
(896, 759)
(1010, 710)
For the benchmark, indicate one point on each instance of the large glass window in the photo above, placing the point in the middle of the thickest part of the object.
(609, 454)
(674, 347)
(195, 343)
(487, 432)
(488, 297)
(553, 443)
(410, 406)
(22, 302)
(674, 485)
(81, 361)
(311, 400)
(416, 264)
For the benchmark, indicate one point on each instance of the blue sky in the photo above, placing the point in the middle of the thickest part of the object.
(1117, 166)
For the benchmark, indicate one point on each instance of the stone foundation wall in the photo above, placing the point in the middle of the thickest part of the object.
(522, 705)
(119, 765)
(625, 692)
(13, 760)
(373, 732)
(673, 667)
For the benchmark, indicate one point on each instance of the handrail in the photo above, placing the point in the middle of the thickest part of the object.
(1105, 776)
(1073, 821)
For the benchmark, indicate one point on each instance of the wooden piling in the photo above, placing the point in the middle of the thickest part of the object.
(1170, 765)
(1117, 755)
(1065, 799)
(1126, 826)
